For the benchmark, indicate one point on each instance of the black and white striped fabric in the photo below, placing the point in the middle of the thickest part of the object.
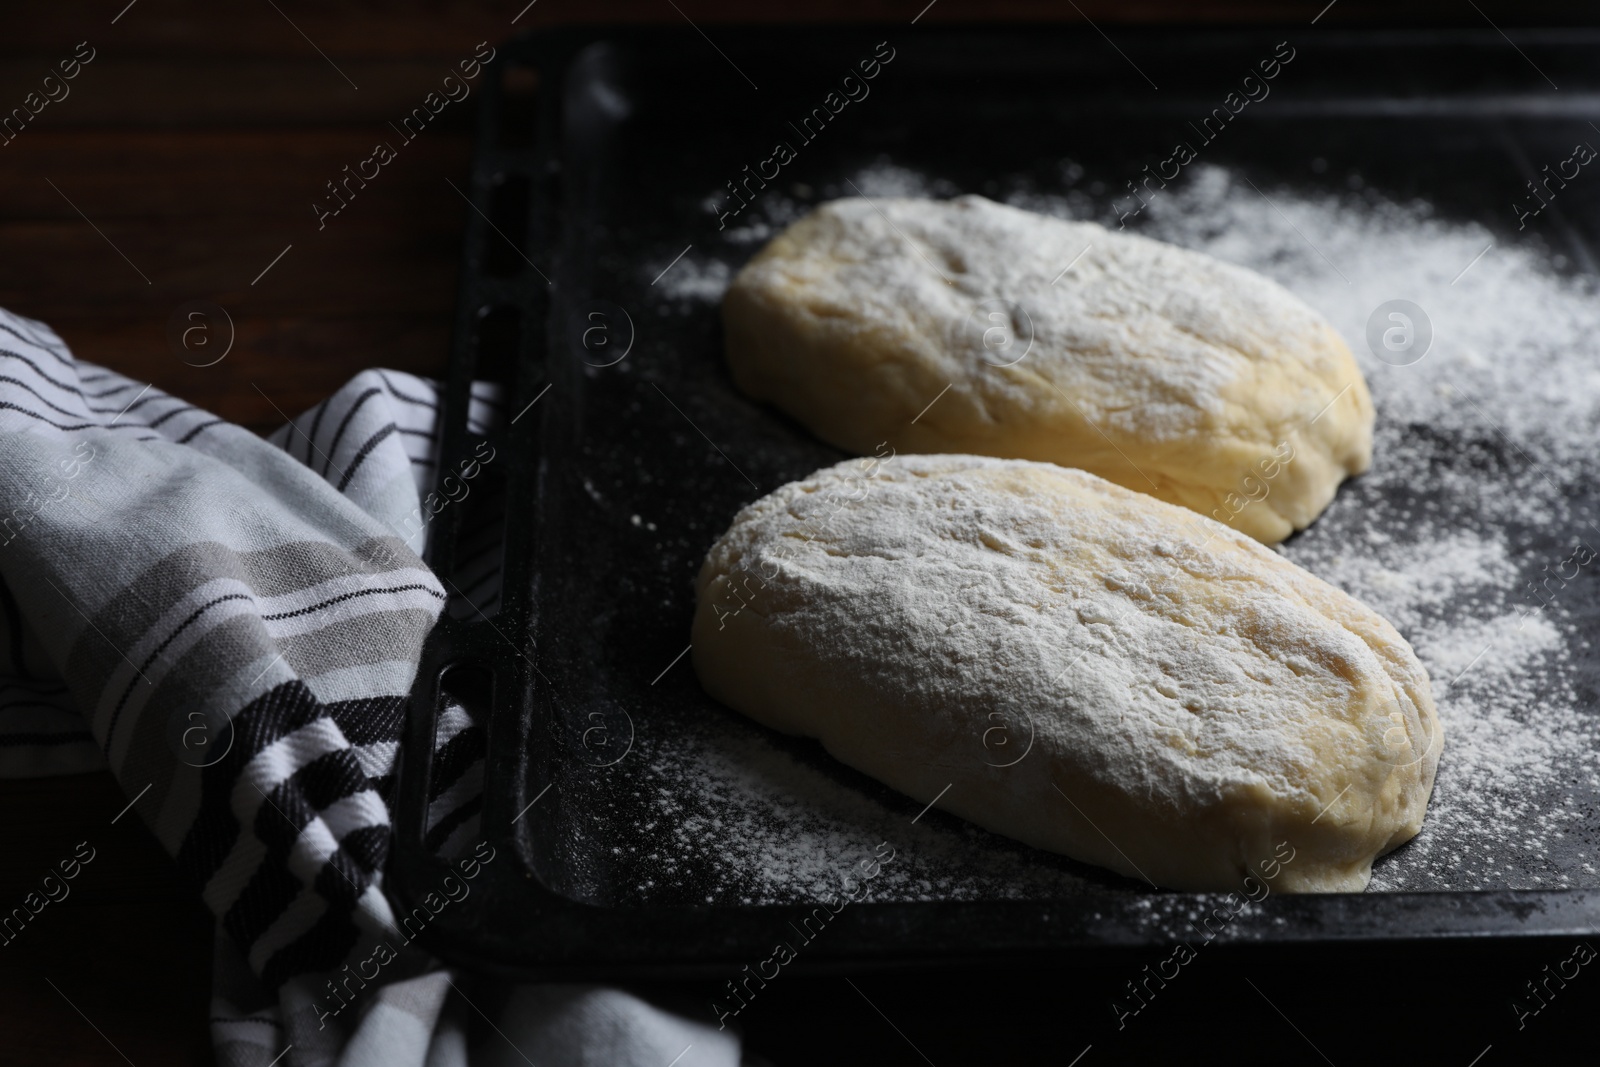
(163, 571)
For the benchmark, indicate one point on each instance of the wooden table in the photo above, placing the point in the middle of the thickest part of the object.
(182, 166)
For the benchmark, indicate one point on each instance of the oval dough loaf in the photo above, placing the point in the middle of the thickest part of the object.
(1191, 704)
(1161, 369)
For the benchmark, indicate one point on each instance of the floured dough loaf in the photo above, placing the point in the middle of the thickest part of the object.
(1190, 704)
(1161, 369)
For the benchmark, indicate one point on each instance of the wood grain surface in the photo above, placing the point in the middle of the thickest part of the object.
(181, 166)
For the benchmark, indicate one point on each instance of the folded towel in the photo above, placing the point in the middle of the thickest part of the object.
(232, 625)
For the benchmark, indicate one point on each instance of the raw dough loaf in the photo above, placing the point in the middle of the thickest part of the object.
(1161, 369)
(1188, 700)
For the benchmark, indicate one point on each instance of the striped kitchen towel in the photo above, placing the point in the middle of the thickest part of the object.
(232, 625)
(200, 611)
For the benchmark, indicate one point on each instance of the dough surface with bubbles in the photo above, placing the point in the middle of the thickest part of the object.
(1175, 701)
(970, 326)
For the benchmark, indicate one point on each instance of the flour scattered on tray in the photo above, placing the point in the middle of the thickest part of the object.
(1480, 480)
(696, 279)
(776, 828)
(1480, 486)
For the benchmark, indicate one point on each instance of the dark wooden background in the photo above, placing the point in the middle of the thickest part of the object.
(195, 143)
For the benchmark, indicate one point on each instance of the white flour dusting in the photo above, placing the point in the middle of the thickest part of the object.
(1511, 376)
(774, 828)
(1480, 479)
(695, 279)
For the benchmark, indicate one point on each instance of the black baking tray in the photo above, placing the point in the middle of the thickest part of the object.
(599, 159)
